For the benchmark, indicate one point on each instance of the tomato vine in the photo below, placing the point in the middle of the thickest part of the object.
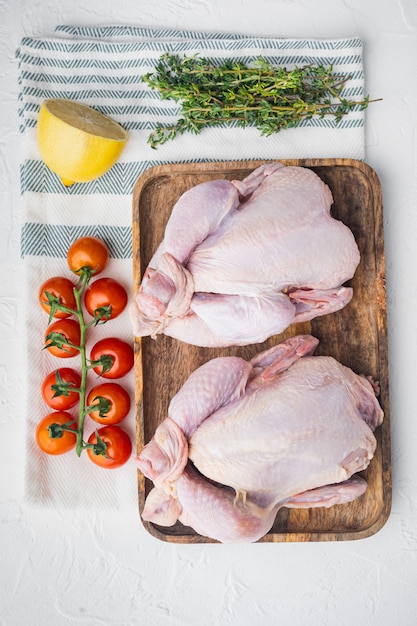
(58, 342)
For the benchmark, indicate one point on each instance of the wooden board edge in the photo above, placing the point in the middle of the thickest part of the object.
(298, 537)
(137, 349)
(382, 321)
(220, 166)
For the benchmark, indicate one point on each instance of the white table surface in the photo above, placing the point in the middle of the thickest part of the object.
(60, 568)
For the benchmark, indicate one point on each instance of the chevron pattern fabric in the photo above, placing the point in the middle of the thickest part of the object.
(102, 67)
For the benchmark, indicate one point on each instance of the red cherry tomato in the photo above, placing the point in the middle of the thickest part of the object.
(87, 252)
(60, 288)
(51, 438)
(120, 357)
(70, 329)
(104, 293)
(116, 448)
(114, 400)
(61, 401)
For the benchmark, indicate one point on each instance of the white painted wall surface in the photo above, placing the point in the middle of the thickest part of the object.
(60, 569)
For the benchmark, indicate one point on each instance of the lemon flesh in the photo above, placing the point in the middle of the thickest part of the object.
(77, 142)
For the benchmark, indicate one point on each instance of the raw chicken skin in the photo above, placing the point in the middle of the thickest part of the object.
(242, 260)
(284, 429)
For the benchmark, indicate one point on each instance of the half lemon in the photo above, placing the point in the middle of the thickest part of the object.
(76, 141)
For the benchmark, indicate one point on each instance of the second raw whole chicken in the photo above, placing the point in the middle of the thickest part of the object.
(244, 438)
(242, 260)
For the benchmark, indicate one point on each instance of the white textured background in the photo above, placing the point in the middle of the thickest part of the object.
(59, 569)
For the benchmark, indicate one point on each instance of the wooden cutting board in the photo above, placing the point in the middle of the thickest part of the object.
(356, 336)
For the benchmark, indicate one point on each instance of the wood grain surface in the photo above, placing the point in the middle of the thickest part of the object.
(356, 336)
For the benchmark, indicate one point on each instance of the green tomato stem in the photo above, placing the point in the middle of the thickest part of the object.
(78, 292)
(56, 431)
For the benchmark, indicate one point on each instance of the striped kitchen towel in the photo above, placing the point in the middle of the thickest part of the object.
(102, 67)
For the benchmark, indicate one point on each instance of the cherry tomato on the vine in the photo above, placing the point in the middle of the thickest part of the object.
(50, 436)
(118, 353)
(112, 447)
(60, 288)
(113, 402)
(63, 399)
(70, 329)
(88, 252)
(104, 293)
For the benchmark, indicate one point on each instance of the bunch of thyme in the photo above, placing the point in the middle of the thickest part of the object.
(261, 95)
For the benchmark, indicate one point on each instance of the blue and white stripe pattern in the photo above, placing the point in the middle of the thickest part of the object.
(103, 67)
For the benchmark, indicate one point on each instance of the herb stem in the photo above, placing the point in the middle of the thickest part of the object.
(245, 107)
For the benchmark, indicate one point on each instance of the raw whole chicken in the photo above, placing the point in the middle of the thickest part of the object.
(242, 260)
(243, 439)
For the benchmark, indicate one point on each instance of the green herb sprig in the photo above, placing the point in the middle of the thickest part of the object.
(267, 97)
